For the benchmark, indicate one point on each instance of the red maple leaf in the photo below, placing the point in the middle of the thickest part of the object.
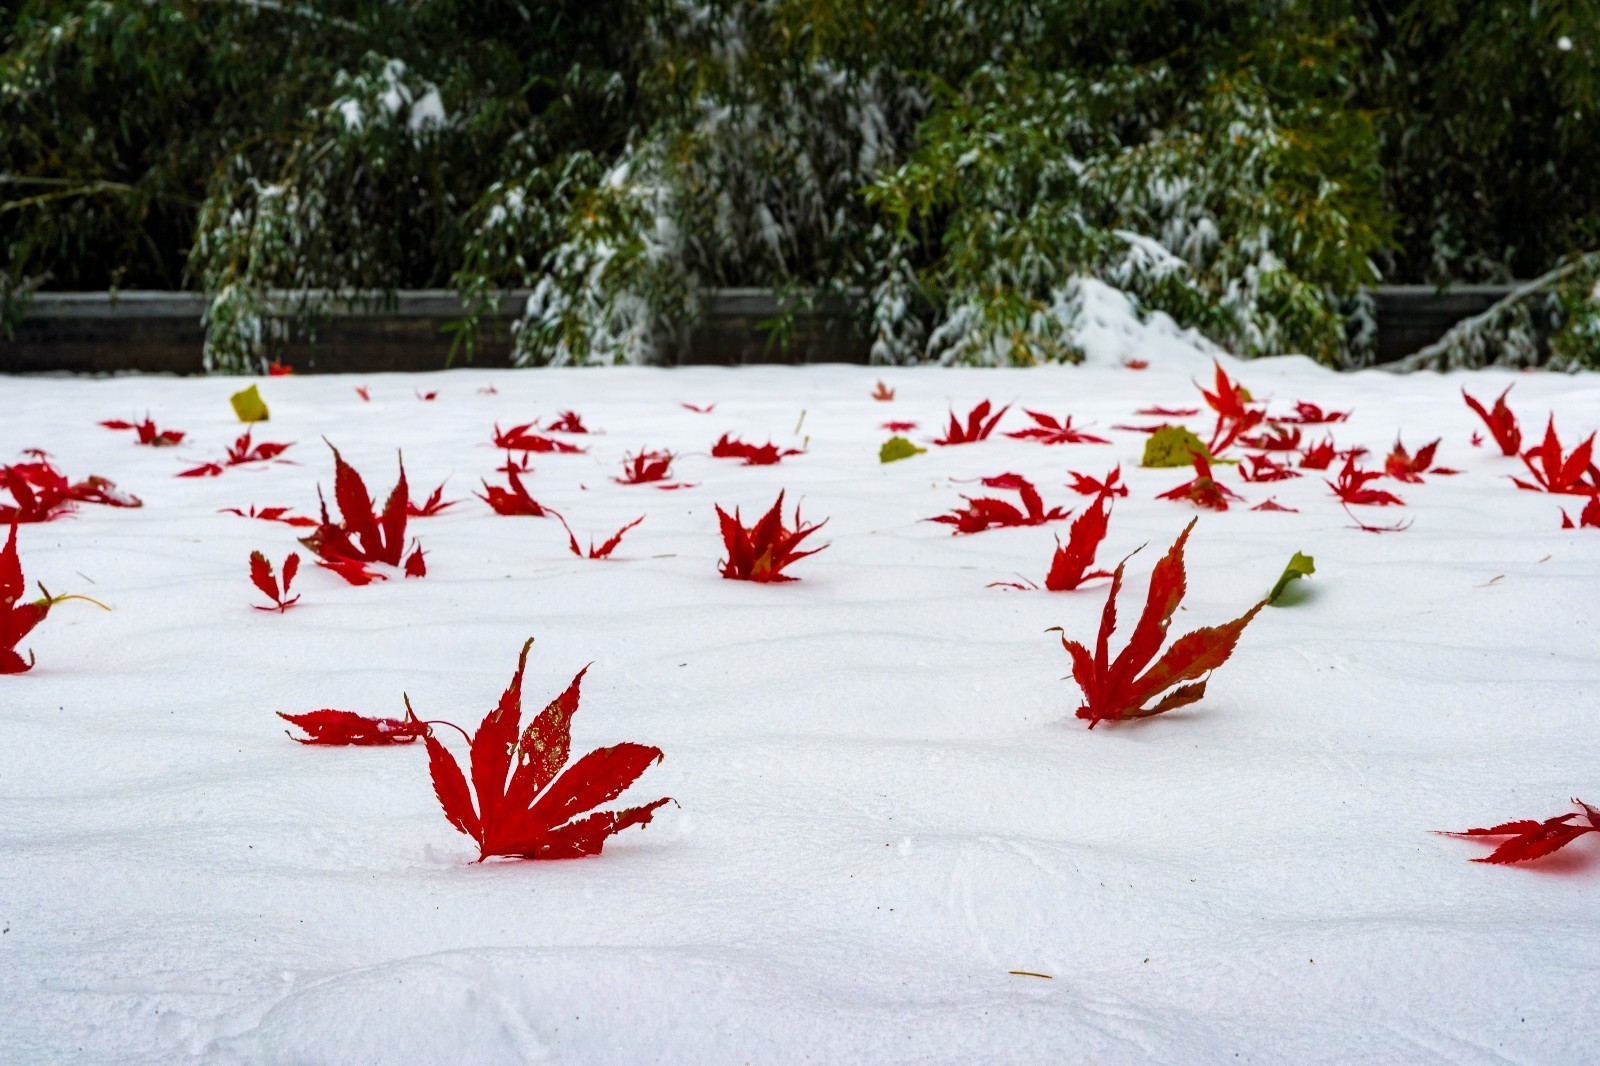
(434, 504)
(882, 393)
(365, 393)
(147, 432)
(40, 492)
(261, 576)
(203, 470)
(986, 512)
(524, 810)
(1277, 439)
(1553, 471)
(707, 409)
(1050, 431)
(17, 618)
(649, 468)
(332, 727)
(272, 514)
(978, 426)
(361, 536)
(1309, 414)
(1234, 416)
(1136, 364)
(1168, 412)
(1270, 504)
(568, 422)
(279, 370)
(899, 427)
(243, 451)
(426, 397)
(1318, 457)
(1264, 468)
(1114, 690)
(513, 501)
(761, 552)
(1501, 422)
(1403, 466)
(1589, 517)
(1350, 487)
(523, 439)
(1088, 486)
(1532, 839)
(605, 549)
(1069, 566)
(1203, 490)
(766, 454)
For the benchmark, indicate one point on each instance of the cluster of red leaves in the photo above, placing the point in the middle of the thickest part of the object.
(1555, 471)
(986, 512)
(1501, 422)
(1115, 690)
(272, 514)
(1309, 414)
(883, 393)
(762, 551)
(753, 455)
(332, 727)
(40, 492)
(1265, 468)
(1203, 490)
(1277, 439)
(240, 452)
(434, 504)
(1532, 839)
(17, 618)
(1088, 486)
(514, 500)
(980, 423)
(261, 576)
(524, 810)
(1318, 456)
(1069, 566)
(363, 537)
(523, 439)
(1588, 518)
(1403, 466)
(1234, 415)
(1351, 487)
(568, 422)
(1050, 431)
(649, 468)
(147, 432)
(605, 549)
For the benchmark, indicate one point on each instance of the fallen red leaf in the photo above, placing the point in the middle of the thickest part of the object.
(567, 422)
(707, 409)
(761, 552)
(426, 397)
(1553, 471)
(1270, 504)
(899, 427)
(147, 433)
(1350, 487)
(279, 370)
(1318, 457)
(17, 619)
(753, 455)
(1501, 422)
(363, 392)
(1588, 518)
(272, 514)
(261, 576)
(535, 814)
(523, 439)
(1069, 566)
(985, 512)
(1203, 490)
(1309, 414)
(980, 423)
(883, 393)
(362, 536)
(1051, 431)
(332, 727)
(1403, 466)
(605, 549)
(1088, 486)
(1136, 364)
(513, 501)
(1534, 839)
(1114, 690)
(1277, 439)
(1168, 412)
(430, 507)
(40, 492)
(1265, 468)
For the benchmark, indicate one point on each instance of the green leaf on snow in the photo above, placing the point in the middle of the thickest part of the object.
(896, 448)
(1301, 565)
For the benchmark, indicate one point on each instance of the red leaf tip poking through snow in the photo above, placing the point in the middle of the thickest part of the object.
(1501, 422)
(605, 550)
(1351, 487)
(332, 727)
(762, 551)
(1403, 466)
(1114, 690)
(1532, 839)
(17, 618)
(363, 537)
(524, 809)
(979, 424)
(513, 501)
(1554, 471)
(1203, 490)
(262, 577)
(1588, 518)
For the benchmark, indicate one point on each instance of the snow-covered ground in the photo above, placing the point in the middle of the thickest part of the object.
(885, 804)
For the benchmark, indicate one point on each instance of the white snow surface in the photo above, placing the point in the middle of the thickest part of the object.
(885, 804)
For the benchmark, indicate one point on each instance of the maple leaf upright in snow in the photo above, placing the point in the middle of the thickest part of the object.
(1403, 466)
(1234, 415)
(1532, 839)
(1501, 422)
(1069, 566)
(523, 439)
(1203, 490)
(262, 577)
(363, 537)
(762, 551)
(512, 501)
(1588, 518)
(1553, 471)
(524, 809)
(986, 512)
(1114, 689)
(980, 423)
(17, 618)
(604, 550)
(1351, 487)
